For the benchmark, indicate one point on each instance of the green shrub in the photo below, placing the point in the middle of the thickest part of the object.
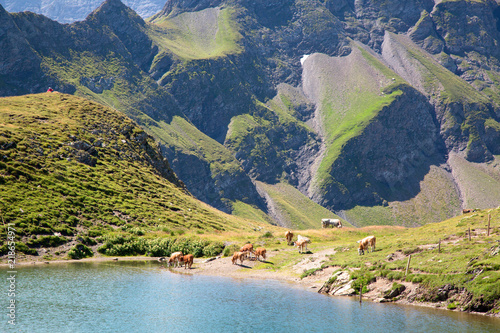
(21, 247)
(119, 245)
(47, 241)
(137, 231)
(80, 251)
(64, 230)
(268, 234)
(395, 275)
(309, 272)
(362, 278)
(94, 232)
(213, 249)
(229, 250)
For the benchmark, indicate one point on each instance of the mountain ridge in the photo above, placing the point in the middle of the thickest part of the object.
(245, 113)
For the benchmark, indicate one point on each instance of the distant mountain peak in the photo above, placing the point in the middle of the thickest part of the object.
(3, 12)
(112, 10)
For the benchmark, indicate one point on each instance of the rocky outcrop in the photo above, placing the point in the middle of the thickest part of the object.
(98, 84)
(340, 284)
(365, 174)
(128, 27)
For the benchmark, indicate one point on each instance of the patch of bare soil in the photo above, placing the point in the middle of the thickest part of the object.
(223, 267)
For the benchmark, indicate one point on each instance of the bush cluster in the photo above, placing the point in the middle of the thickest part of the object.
(80, 251)
(129, 245)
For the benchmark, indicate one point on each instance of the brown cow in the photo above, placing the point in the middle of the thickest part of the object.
(239, 255)
(260, 251)
(247, 248)
(288, 236)
(187, 260)
(365, 243)
(465, 211)
(174, 259)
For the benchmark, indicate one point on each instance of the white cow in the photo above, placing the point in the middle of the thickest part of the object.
(301, 243)
(331, 222)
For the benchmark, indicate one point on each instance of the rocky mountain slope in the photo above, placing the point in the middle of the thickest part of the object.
(383, 112)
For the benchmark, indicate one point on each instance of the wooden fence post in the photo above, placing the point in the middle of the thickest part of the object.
(408, 265)
(360, 293)
(439, 246)
(469, 234)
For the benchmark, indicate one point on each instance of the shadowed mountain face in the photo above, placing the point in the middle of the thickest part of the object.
(379, 111)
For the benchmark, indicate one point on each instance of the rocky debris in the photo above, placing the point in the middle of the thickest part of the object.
(394, 292)
(341, 286)
(211, 259)
(98, 84)
(84, 153)
(8, 145)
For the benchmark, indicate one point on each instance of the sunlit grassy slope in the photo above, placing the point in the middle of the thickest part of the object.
(204, 34)
(294, 209)
(76, 167)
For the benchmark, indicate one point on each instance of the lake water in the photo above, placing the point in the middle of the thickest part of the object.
(139, 297)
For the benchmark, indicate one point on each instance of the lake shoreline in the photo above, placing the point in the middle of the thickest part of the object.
(223, 267)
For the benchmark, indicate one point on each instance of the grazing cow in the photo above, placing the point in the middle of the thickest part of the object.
(365, 243)
(174, 259)
(260, 251)
(325, 223)
(288, 236)
(187, 260)
(302, 242)
(465, 211)
(239, 256)
(247, 248)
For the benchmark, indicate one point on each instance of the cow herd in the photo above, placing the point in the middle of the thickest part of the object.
(178, 259)
(246, 251)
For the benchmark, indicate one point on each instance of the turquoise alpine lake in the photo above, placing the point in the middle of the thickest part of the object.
(141, 297)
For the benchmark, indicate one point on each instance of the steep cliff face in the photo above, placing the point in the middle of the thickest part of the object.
(16, 57)
(357, 104)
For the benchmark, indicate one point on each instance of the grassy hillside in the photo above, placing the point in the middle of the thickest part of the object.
(442, 258)
(437, 80)
(72, 170)
(180, 134)
(478, 183)
(472, 267)
(438, 200)
(349, 92)
(293, 209)
(204, 34)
